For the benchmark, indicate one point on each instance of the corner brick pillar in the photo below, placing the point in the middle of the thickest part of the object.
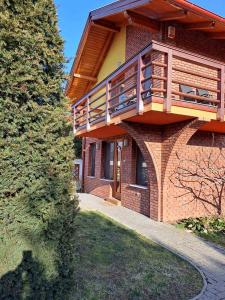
(174, 140)
(160, 146)
(149, 142)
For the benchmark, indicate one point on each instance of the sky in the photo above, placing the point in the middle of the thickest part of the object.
(73, 14)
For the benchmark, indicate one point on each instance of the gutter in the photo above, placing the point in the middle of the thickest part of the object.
(197, 10)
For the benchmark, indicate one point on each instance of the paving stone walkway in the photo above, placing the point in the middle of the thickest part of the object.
(207, 257)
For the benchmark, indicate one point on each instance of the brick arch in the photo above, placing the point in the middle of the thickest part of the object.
(175, 138)
(141, 137)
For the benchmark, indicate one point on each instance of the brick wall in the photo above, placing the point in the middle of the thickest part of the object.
(95, 185)
(177, 203)
(163, 148)
(132, 197)
(195, 41)
(136, 39)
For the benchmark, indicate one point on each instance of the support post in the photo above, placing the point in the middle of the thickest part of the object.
(107, 112)
(88, 113)
(220, 113)
(167, 101)
(140, 77)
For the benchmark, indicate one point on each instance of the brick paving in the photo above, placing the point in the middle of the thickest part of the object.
(207, 257)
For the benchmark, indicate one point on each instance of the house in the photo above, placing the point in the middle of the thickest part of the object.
(147, 91)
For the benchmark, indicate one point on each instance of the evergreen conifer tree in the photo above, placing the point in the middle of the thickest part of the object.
(36, 145)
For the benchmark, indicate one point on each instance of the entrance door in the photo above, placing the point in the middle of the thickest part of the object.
(117, 169)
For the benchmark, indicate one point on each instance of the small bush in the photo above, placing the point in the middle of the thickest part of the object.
(204, 225)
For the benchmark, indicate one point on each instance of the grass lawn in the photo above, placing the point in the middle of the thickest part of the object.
(215, 237)
(111, 262)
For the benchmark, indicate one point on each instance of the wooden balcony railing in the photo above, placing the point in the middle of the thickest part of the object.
(159, 71)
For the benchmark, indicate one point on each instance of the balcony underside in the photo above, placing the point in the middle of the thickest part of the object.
(154, 115)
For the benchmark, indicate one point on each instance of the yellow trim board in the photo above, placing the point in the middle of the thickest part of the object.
(200, 114)
(184, 111)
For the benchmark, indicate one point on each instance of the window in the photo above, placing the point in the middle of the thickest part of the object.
(141, 169)
(147, 74)
(92, 159)
(108, 160)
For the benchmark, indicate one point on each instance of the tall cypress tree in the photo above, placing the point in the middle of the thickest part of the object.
(36, 146)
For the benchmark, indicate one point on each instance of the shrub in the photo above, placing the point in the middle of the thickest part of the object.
(37, 206)
(204, 225)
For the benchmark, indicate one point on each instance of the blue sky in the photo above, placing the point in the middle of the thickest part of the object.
(73, 14)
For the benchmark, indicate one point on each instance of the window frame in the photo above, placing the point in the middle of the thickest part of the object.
(140, 178)
(92, 159)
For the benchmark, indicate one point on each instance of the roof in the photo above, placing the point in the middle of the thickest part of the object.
(103, 23)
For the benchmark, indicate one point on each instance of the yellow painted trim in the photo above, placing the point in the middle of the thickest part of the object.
(201, 114)
(116, 55)
(157, 106)
(184, 111)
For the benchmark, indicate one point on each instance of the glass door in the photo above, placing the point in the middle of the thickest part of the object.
(117, 169)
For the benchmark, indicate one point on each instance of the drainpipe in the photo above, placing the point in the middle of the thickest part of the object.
(83, 162)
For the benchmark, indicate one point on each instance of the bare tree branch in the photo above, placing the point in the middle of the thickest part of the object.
(203, 178)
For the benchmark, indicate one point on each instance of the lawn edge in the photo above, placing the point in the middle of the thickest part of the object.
(165, 247)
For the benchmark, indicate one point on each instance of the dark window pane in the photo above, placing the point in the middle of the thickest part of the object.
(92, 159)
(141, 169)
(108, 160)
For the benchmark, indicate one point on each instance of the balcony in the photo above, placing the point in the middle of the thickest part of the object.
(160, 85)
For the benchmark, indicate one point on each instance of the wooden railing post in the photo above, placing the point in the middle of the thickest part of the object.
(167, 101)
(74, 120)
(88, 113)
(140, 77)
(107, 113)
(220, 114)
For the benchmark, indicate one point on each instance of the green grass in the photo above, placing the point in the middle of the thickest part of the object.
(214, 237)
(111, 262)
(116, 263)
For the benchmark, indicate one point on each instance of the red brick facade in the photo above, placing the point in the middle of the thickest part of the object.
(162, 147)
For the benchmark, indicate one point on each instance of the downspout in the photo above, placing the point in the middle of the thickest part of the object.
(83, 163)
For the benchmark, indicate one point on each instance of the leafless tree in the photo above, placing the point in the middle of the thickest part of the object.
(202, 178)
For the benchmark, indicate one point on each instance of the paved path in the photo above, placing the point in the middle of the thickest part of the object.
(207, 257)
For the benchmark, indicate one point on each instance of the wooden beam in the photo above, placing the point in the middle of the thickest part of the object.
(89, 78)
(106, 25)
(141, 21)
(217, 36)
(200, 25)
(175, 15)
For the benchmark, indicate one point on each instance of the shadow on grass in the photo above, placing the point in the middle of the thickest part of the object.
(24, 281)
(102, 260)
(42, 231)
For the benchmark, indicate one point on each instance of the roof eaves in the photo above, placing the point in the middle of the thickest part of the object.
(117, 7)
(197, 10)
